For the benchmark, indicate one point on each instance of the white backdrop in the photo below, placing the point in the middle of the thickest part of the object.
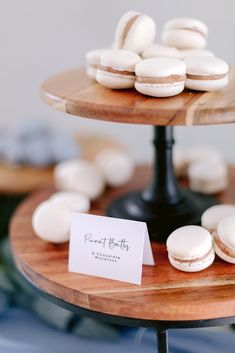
(41, 37)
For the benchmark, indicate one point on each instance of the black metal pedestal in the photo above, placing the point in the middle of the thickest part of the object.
(164, 205)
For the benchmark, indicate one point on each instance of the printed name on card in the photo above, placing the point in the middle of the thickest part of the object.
(109, 247)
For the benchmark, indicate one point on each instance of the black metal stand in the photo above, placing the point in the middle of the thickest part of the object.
(162, 341)
(164, 205)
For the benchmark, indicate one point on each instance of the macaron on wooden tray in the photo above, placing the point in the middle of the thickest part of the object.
(75, 93)
(166, 294)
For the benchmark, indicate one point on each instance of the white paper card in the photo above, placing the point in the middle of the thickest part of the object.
(109, 247)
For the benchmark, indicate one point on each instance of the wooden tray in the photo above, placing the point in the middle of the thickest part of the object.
(74, 93)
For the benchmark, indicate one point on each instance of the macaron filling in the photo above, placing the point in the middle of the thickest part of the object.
(127, 28)
(161, 80)
(222, 247)
(191, 261)
(110, 70)
(206, 77)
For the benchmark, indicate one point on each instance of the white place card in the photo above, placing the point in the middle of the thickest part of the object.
(109, 247)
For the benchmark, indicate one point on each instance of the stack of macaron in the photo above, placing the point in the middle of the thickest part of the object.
(79, 182)
(205, 167)
(158, 70)
(193, 248)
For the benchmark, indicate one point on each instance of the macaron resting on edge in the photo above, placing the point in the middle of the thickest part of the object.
(135, 32)
(160, 77)
(185, 33)
(93, 61)
(224, 239)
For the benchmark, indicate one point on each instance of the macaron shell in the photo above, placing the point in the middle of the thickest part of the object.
(183, 39)
(141, 34)
(161, 51)
(193, 267)
(222, 255)
(206, 85)
(226, 231)
(189, 23)
(51, 222)
(76, 202)
(115, 81)
(189, 242)
(160, 67)
(121, 27)
(213, 215)
(120, 60)
(160, 90)
(206, 65)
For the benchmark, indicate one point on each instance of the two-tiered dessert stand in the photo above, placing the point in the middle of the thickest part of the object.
(167, 298)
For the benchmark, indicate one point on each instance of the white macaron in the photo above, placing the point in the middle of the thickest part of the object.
(81, 176)
(213, 215)
(185, 33)
(160, 77)
(224, 239)
(200, 152)
(117, 69)
(93, 61)
(196, 52)
(161, 51)
(208, 177)
(51, 222)
(116, 166)
(206, 73)
(135, 32)
(75, 201)
(190, 249)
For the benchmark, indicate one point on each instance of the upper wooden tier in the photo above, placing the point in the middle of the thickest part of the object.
(74, 93)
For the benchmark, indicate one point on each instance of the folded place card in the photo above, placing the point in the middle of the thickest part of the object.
(109, 247)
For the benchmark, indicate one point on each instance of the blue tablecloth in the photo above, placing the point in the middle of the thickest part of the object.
(23, 332)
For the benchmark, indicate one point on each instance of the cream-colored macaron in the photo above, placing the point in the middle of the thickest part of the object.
(116, 166)
(208, 177)
(93, 61)
(161, 51)
(117, 69)
(205, 73)
(51, 222)
(185, 33)
(75, 201)
(81, 176)
(224, 239)
(190, 249)
(135, 32)
(160, 77)
(213, 215)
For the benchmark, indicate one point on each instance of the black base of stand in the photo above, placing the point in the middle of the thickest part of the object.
(163, 205)
(161, 219)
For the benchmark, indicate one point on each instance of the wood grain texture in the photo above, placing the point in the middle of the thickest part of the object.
(74, 93)
(165, 293)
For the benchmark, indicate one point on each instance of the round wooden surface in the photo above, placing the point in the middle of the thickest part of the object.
(74, 93)
(165, 293)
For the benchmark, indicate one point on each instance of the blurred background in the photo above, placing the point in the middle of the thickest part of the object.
(39, 38)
